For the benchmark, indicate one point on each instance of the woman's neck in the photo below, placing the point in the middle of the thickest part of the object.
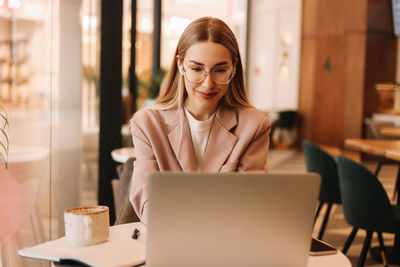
(199, 114)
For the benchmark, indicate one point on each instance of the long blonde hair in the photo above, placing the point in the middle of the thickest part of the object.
(173, 93)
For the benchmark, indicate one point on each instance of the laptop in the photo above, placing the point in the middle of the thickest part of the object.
(235, 219)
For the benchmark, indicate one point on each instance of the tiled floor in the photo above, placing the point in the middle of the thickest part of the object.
(279, 161)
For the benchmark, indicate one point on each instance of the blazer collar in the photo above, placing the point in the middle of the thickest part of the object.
(180, 136)
(220, 141)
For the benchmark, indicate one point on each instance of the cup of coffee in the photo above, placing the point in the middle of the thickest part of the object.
(86, 226)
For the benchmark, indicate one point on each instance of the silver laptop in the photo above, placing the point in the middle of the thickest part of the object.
(236, 219)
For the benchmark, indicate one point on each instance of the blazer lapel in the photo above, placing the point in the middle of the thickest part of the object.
(220, 141)
(180, 136)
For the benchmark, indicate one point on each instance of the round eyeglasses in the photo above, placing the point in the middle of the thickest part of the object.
(218, 75)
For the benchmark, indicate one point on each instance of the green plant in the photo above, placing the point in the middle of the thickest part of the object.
(91, 76)
(155, 83)
(4, 143)
(149, 86)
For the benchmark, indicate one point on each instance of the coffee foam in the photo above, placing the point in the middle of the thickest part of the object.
(87, 210)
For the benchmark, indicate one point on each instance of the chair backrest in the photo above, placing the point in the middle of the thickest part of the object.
(317, 160)
(124, 211)
(365, 202)
(287, 119)
(374, 127)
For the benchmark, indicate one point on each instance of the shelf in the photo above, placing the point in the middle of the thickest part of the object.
(387, 86)
(20, 15)
(17, 82)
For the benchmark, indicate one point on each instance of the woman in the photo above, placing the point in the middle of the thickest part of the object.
(202, 120)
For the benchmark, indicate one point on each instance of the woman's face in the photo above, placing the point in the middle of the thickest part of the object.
(214, 59)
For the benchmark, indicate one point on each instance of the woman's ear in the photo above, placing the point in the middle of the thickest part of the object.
(235, 62)
(179, 64)
(235, 65)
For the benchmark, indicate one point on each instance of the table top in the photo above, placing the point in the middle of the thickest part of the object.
(125, 130)
(389, 148)
(335, 260)
(122, 154)
(19, 153)
(390, 131)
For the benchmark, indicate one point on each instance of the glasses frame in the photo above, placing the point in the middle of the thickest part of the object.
(205, 73)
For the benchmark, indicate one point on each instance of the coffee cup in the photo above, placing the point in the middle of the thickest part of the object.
(86, 226)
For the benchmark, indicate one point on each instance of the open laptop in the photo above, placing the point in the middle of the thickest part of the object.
(236, 219)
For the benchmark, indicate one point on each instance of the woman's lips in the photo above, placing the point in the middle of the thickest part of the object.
(206, 95)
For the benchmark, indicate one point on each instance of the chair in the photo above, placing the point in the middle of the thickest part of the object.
(373, 132)
(127, 214)
(317, 160)
(124, 211)
(374, 127)
(285, 132)
(366, 206)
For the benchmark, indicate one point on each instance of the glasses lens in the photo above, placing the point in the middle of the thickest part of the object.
(194, 75)
(221, 75)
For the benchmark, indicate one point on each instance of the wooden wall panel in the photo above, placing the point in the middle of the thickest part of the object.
(328, 87)
(331, 18)
(380, 16)
(323, 17)
(358, 37)
(306, 97)
(356, 12)
(309, 25)
(353, 94)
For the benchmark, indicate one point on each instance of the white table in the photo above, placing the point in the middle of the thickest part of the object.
(125, 130)
(18, 153)
(336, 260)
(121, 155)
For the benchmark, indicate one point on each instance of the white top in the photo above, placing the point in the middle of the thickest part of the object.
(200, 131)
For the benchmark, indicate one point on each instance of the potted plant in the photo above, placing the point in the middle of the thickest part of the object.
(150, 87)
(155, 83)
(3, 137)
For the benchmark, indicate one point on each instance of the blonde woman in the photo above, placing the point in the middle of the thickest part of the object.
(202, 120)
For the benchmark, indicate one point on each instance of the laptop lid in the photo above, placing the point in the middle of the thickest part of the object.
(236, 219)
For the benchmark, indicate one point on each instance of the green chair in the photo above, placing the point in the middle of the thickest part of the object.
(374, 132)
(366, 206)
(317, 160)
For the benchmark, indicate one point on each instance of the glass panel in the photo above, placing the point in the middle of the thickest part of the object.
(49, 69)
(90, 100)
(25, 95)
(49, 90)
(144, 49)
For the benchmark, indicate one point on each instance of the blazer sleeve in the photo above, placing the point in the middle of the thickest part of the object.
(144, 164)
(254, 158)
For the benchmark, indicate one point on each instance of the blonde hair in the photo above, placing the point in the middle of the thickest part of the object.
(173, 92)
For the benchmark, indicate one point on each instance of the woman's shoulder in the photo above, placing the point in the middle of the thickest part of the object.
(252, 114)
(144, 113)
(151, 115)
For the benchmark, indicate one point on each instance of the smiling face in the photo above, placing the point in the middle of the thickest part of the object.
(203, 97)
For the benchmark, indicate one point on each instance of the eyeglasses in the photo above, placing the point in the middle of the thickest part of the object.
(218, 75)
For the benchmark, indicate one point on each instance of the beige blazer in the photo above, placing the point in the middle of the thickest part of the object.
(238, 141)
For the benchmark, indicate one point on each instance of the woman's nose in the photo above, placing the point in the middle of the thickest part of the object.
(208, 82)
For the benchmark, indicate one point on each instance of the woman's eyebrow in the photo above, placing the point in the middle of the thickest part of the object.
(201, 64)
(195, 62)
